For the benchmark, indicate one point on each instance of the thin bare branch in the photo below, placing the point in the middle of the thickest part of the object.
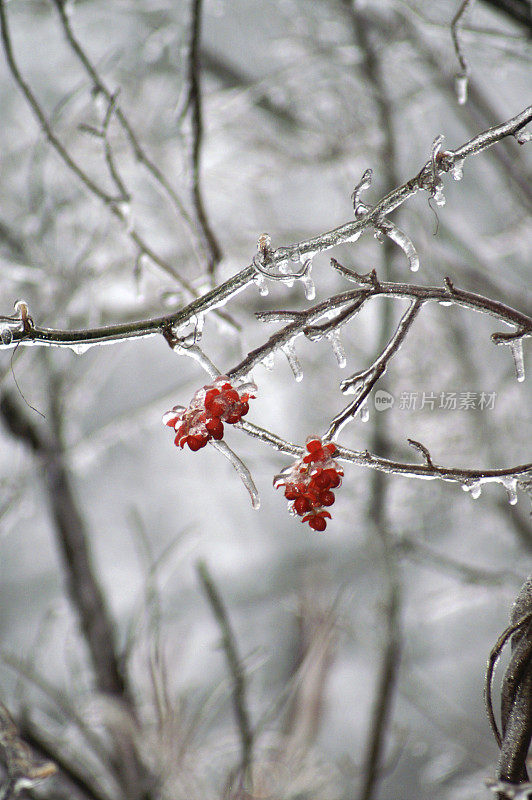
(234, 664)
(99, 86)
(191, 113)
(83, 588)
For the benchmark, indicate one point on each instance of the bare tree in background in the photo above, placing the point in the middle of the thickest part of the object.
(144, 150)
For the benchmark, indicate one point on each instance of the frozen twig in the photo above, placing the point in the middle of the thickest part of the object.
(191, 112)
(303, 250)
(521, 473)
(234, 664)
(243, 472)
(384, 227)
(115, 204)
(362, 383)
(42, 119)
(516, 696)
(100, 87)
(463, 76)
(423, 450)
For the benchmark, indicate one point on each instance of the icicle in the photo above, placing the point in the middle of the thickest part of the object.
(79, 349)
(401, 239)
(457, 169)
(268, 361)
(260, 280)
(338, 348)
(437, 194)
(243, 472)
(474, 488)
(290, 353)
(379, 235)
(460, 87)
(516, 346)
(310, 289)
(510, 484)
(356, 235)
(364, 412)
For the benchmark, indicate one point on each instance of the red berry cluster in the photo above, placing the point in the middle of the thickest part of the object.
(210, 407)
(309, 483)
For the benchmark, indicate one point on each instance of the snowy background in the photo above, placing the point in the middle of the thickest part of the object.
(290, 124)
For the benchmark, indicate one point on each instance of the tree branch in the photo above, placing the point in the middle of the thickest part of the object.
(234, 664)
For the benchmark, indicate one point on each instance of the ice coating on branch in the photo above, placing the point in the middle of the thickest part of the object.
(337, 347)
(291, 356)
(516, 346)
(523, 137)
(401, 239)
(457, 170)
(474, 488)
(260, 280)
(438, 195)
(79, 349)
(510, 484)
(308, 283)
(243, 472)
(269, 361)
(356, 235)
(460, 87)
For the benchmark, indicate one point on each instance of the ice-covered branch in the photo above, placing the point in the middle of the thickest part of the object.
(278, 259)
(337, 310)
(362, 383)
(100, 88)
(471, 480)
(463, 76)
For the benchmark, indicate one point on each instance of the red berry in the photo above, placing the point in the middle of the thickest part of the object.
(301, 505)
(313, 445)
(327, 498)
(321, 480)
(231, 395)
(215, 428)
(334, 477)
(317, 523)
(215, 406)
(197, 442)
(210, 395)
(245, 409)
(291, 493)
